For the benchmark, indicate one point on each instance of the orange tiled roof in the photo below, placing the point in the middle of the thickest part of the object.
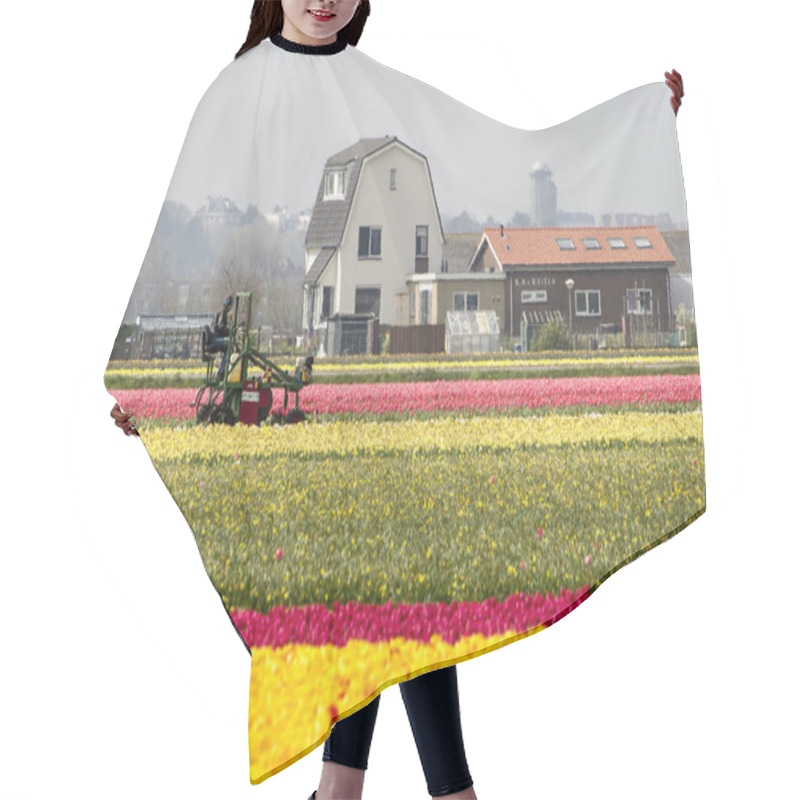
(538, 246)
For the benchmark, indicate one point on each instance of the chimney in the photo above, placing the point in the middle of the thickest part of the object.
(502, 232)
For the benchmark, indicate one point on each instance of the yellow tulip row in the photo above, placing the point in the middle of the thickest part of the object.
(323, 368)
(339, 679)
(434, 434)
(480, 363)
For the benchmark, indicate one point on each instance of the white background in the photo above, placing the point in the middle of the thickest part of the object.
(120, 674)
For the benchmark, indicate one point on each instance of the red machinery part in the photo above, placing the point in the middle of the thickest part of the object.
(254, 396)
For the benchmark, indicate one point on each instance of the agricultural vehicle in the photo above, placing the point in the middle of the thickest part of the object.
(237, 398)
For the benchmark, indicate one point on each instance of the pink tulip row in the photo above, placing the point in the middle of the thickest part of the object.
(502, 394)
(319, 625)
(158, 403)
(383, 398)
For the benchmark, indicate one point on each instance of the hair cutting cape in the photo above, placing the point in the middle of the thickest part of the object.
(503, 405)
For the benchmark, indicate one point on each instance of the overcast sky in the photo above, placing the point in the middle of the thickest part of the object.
(291, 112)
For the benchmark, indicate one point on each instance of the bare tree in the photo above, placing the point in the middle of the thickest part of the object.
(246, 261)
(285, 306)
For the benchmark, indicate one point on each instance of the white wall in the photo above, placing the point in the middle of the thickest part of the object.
(397, 212)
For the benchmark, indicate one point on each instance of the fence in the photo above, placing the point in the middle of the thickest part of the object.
(416, 339)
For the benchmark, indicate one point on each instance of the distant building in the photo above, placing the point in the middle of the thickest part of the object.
(544, 196)
(375, 222)
(220, 211)
(376, 255)
(620, 275)
(433, 295)
(167, 336)
(458, 251)
(678, 243)
(621, 219)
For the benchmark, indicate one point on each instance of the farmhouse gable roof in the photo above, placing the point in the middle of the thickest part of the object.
(329, 217)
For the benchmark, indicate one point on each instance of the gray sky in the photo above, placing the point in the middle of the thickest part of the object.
(264, 129)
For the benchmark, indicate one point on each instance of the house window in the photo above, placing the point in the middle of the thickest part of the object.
(334, 184)
(591, 244)
(587, 302)
(616, 244)
(392, 178)
(565, 244)
(327, 302)
(641, 241)
(369, 242)
(534, 296)
(465, 301)
(422, 240)
(640, 301)
(368, 301)
(424, 306)
(412, 296)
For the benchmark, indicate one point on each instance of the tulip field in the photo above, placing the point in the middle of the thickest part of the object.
(411, 525)
(388, 401)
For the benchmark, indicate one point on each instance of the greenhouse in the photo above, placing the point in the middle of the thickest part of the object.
(472, 332)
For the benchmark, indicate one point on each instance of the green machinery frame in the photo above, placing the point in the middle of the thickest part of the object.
(219, 401)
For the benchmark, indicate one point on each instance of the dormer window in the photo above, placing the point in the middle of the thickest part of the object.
(616, 244)
(565, 244)
(641, 242)
(334, 184)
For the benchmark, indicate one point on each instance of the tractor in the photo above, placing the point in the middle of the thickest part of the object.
(237, 398)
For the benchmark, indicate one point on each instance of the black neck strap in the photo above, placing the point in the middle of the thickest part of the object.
(308, 49)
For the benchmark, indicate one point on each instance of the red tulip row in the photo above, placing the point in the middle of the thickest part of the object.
(383, 398)
(319, 625)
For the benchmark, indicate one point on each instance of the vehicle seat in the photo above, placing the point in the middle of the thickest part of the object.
(205, 338)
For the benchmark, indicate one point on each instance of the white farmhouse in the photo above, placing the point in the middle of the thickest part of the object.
(375, 223)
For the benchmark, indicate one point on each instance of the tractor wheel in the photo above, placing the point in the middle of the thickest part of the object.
(222, 414)
(202, 409)
(295, 415)
(206, 410)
